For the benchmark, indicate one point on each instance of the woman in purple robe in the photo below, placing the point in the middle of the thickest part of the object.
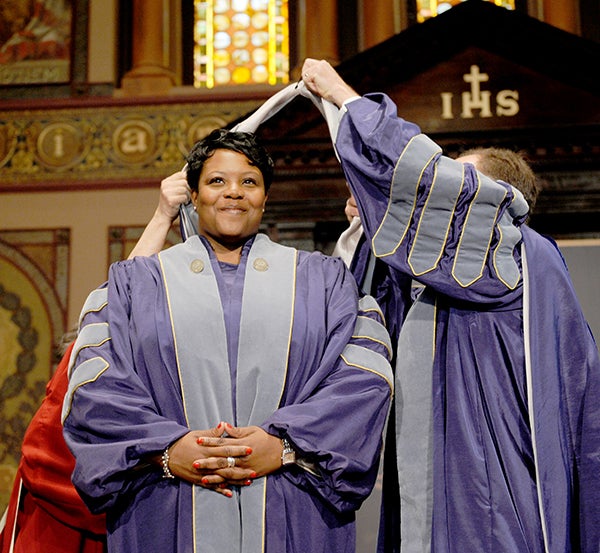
(228, 394)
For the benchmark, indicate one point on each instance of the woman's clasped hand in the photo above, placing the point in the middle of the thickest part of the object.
(224, 456)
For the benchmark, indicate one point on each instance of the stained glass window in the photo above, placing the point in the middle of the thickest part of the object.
(238, 42)
(431, 8)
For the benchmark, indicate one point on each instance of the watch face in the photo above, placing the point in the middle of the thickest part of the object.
(288, 457)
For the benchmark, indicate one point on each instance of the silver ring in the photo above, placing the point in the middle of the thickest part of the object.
(230, 462)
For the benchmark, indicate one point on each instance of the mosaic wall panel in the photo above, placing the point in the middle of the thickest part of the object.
(34, 279)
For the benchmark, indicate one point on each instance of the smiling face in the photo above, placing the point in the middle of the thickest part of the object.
(230, 200)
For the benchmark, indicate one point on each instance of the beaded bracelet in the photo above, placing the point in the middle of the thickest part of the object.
(165, 464)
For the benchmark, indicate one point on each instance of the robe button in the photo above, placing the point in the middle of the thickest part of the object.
(197, 266)
(260, 264)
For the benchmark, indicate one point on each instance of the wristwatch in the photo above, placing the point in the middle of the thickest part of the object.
(288, 455)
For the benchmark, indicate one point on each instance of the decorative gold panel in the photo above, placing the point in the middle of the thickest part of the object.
(91, 145)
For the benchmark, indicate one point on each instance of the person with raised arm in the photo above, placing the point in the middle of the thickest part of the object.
(495, 442)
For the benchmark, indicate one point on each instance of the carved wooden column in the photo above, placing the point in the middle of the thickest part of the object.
(378, 21)
(562, 15)
(149, 75)
(318, 29)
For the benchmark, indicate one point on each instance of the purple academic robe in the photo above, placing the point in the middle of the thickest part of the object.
(143, 373)
(508, 449)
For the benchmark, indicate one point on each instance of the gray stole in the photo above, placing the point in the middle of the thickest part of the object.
(234, 524)
(414, 424)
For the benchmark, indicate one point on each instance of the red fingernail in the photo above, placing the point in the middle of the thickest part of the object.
(253, 475)
(196, 464)
(205, 481)
(219, 425)
(199, 440)
(228, 425)
(248, 482)
(248, 451)
(228, 493)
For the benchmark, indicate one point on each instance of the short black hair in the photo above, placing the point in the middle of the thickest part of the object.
(244, 143)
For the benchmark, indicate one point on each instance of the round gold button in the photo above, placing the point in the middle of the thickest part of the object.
(197, 266)
(260, 264)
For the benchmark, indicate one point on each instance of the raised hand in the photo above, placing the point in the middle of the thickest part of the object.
(322, 79)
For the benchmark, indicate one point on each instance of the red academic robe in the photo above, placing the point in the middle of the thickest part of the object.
(45, 513)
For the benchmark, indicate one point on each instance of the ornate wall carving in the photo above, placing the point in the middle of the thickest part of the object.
(78, 147)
